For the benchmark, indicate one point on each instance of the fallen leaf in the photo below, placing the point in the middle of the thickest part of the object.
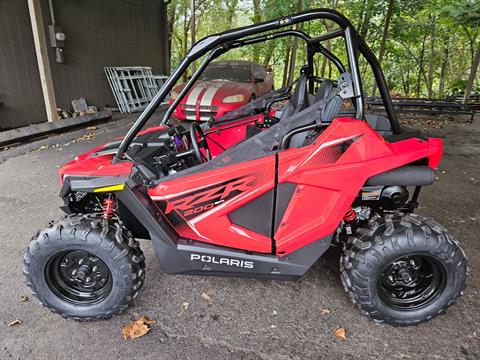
(185, 305)
(324, 311)
(23, 298)
(85, 138)
(15, 322)
(205, 296)
(340, 333)
(91, 128)
(137, 328)
(274, 312)
(273, 327)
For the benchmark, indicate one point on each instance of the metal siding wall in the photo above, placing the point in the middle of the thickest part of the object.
(105, 33)
(20, 88)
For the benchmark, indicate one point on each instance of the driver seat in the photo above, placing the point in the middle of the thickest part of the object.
(300, 99)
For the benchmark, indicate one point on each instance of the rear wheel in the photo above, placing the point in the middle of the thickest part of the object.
(84, 268)
(403, 270)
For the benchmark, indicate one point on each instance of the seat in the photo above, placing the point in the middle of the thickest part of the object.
(330, 111)
(300, 99)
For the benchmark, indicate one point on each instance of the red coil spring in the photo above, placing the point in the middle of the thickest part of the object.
(108, 208)
(350, 215)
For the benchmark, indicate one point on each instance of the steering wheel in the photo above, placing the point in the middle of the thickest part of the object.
(201, 142)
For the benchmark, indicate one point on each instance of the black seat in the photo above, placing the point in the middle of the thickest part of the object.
(326, 89)
(299, 100)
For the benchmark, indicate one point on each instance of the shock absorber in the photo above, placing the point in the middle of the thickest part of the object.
(350, 219)
(108, 207)
(350, 215)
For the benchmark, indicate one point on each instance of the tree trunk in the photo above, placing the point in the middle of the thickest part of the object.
(231, 11)
(172, 9)
(361, 15)
(420, 67)
(257, 17)
(443, 72)
(471, 41)
(186, 25)
(408, 83)
(366, 19)
(325, 59)
(193, 23)
(388, 16)
(293, 59)
(327, 45)
(286, 62)
(432, 59)
(269, 53)
(473, 74)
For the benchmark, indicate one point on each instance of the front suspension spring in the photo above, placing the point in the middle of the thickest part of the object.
(108, 208)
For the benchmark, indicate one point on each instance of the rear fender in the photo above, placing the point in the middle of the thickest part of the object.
(435, 152)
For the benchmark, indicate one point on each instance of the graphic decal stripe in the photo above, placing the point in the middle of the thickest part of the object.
(208, 96)
(193, 97)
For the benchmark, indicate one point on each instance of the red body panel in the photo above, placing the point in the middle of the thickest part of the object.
(213, 226)
(86, 165)
(224, 137)
(328, 179)
(326, 188)
(328, 175)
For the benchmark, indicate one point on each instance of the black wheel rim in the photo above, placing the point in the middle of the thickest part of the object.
(411, 282)
(78, 277)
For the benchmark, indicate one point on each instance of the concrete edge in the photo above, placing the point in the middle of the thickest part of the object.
(37, 130)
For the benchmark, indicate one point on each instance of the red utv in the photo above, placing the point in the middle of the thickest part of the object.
(224, 86)
(311, 175)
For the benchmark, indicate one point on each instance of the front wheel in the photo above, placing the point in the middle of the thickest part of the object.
(403, 270)
(84, 268)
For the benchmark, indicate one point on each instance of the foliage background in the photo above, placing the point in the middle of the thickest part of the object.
(427, 48)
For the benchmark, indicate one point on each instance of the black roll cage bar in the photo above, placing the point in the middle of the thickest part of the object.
(218, 44)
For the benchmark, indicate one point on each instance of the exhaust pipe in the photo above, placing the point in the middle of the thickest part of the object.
(404, 176)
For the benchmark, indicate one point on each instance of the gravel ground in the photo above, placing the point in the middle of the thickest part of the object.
(245, 319)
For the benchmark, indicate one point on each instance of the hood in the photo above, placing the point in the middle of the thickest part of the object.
(212, 93)
(98, 161)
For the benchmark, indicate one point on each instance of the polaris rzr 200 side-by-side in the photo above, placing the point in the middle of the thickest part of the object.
(262, 192)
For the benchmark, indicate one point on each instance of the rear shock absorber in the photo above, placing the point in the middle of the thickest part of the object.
(108, 207)
(350, 219)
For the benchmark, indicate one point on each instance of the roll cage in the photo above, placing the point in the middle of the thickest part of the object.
(217, 44)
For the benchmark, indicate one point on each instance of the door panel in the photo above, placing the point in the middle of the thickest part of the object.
(328, 176)
(230, 206)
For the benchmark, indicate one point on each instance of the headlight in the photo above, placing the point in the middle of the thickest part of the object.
(234, 99)
(174, 95)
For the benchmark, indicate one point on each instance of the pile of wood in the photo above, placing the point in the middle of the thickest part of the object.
(429, 107)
